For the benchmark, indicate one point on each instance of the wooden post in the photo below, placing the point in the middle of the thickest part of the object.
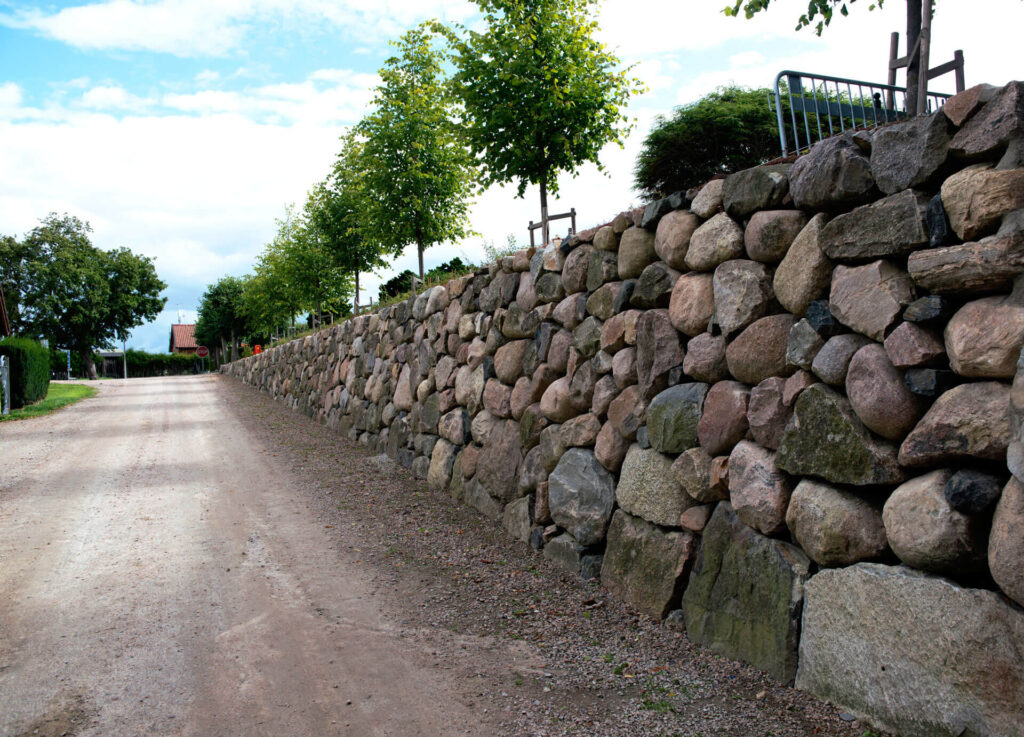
(894, 53)
(958, 57)
(545, 235)
(922, 78)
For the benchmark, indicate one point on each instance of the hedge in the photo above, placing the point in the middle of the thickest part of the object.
(30, 369)
(142, 363)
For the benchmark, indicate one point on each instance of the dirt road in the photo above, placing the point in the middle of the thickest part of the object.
(159, 577)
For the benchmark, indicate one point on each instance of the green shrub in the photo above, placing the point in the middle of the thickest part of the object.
(142, 363)
(30, 369)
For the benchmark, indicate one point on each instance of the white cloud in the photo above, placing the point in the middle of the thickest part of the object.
(10, 96)
(218, 27)
(113, 97)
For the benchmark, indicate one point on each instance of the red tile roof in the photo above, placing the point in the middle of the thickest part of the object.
(183, 337)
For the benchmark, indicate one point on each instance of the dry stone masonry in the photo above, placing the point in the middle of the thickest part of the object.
(785, 408)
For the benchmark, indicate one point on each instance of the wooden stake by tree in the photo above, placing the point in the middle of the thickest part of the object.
(417, 169)
(540, 93)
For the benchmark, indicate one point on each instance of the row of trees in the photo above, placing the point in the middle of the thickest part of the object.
(60, 287)
(530, 95)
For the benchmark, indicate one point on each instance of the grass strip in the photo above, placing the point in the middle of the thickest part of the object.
(57, 396)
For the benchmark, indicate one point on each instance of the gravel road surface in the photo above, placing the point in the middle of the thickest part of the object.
(183, 556)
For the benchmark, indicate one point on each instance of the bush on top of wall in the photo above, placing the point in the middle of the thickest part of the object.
(30, 369)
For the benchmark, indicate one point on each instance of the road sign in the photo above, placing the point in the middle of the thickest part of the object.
(202, 351)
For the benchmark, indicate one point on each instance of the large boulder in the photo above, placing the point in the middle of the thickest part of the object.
(770, 233)
(851, 456)
(889, 227)
(1006, 542)
(759, 492)
(648, 489)
(760, 350)
(976, 198)
(970, 421)
(805, 272)
(745, 595)
(984, 338)
(692, 303)
(743, 293)
(758, 188)
(714, 242)
(834, 175)
(498, 469)
(694, 470)
(658, 349)
(911, 153)
(869, 299)
(879, 395)
(654, 287)
(989, 131)
(574, 271)
(767, 412)
(705, 358)
(834, 526)
(645, 565)
(442, 461)
(672, 239)
(913, 653)
(927, 533)
(832, 362)
(636, 250)
(723, 422)
(708, 200)
(581, 496)
(673, 417)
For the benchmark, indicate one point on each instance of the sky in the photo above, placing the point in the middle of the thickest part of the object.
(182, 128)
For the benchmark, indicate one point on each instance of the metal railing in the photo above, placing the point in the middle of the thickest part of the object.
(831, 105)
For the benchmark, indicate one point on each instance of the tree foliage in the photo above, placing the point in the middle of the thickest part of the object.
(727, 130)
(540, 94)
(820, 9)
(416, 169)
(78, 296)
(221, 317)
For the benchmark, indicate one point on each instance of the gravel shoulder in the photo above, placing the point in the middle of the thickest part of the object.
(536, 651)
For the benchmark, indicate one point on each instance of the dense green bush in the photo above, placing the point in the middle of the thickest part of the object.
(142, 363)
(727, 130)
(30, 369)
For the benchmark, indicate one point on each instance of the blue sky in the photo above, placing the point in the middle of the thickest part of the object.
(181, 128)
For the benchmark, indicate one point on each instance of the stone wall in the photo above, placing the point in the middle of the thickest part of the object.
(776, 408)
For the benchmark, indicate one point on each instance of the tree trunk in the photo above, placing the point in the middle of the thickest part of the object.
(419, 251)
(234, 346)
(545, 233)
(223, 350)
(88, 365)
(355, 301)
(914, 67)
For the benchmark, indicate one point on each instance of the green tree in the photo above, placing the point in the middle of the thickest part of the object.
(222, 321)
(417, 170)
(15, 257)
(823, 10)
(727, 130)
(540, 94)
(338, 212)
(322, 286)
(80, 297)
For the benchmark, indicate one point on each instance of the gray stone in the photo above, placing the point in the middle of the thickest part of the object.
(602, 268)
(654, 287)
(692, 303)
(566, 552)
(759, 188)
(984, 338)
(833, 360)
(442, 460)
(970, 491)
(834, 175)
(606, 239)
(889, 227)
(851, 455)
(977, 198)
(673, 415)
(745, 595)
(803, 345)
(647, 488)
(587, 337)
(705, 358)
(767, 412)
(516, 519)
(910, 154)
(646, 566)
(805, 272)
(927, 533)
(913, 653)
(770, 233)
(477, 497)
(709, 199)
(989, 131)
(672, 239)
(759, 352)
(636, 250)
(723, 420)
(743, 293)
(658, 349)
(714, 242)
(834, 526)
(499, 474)
(879, 395)
(581, 495)
(1006, 543)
